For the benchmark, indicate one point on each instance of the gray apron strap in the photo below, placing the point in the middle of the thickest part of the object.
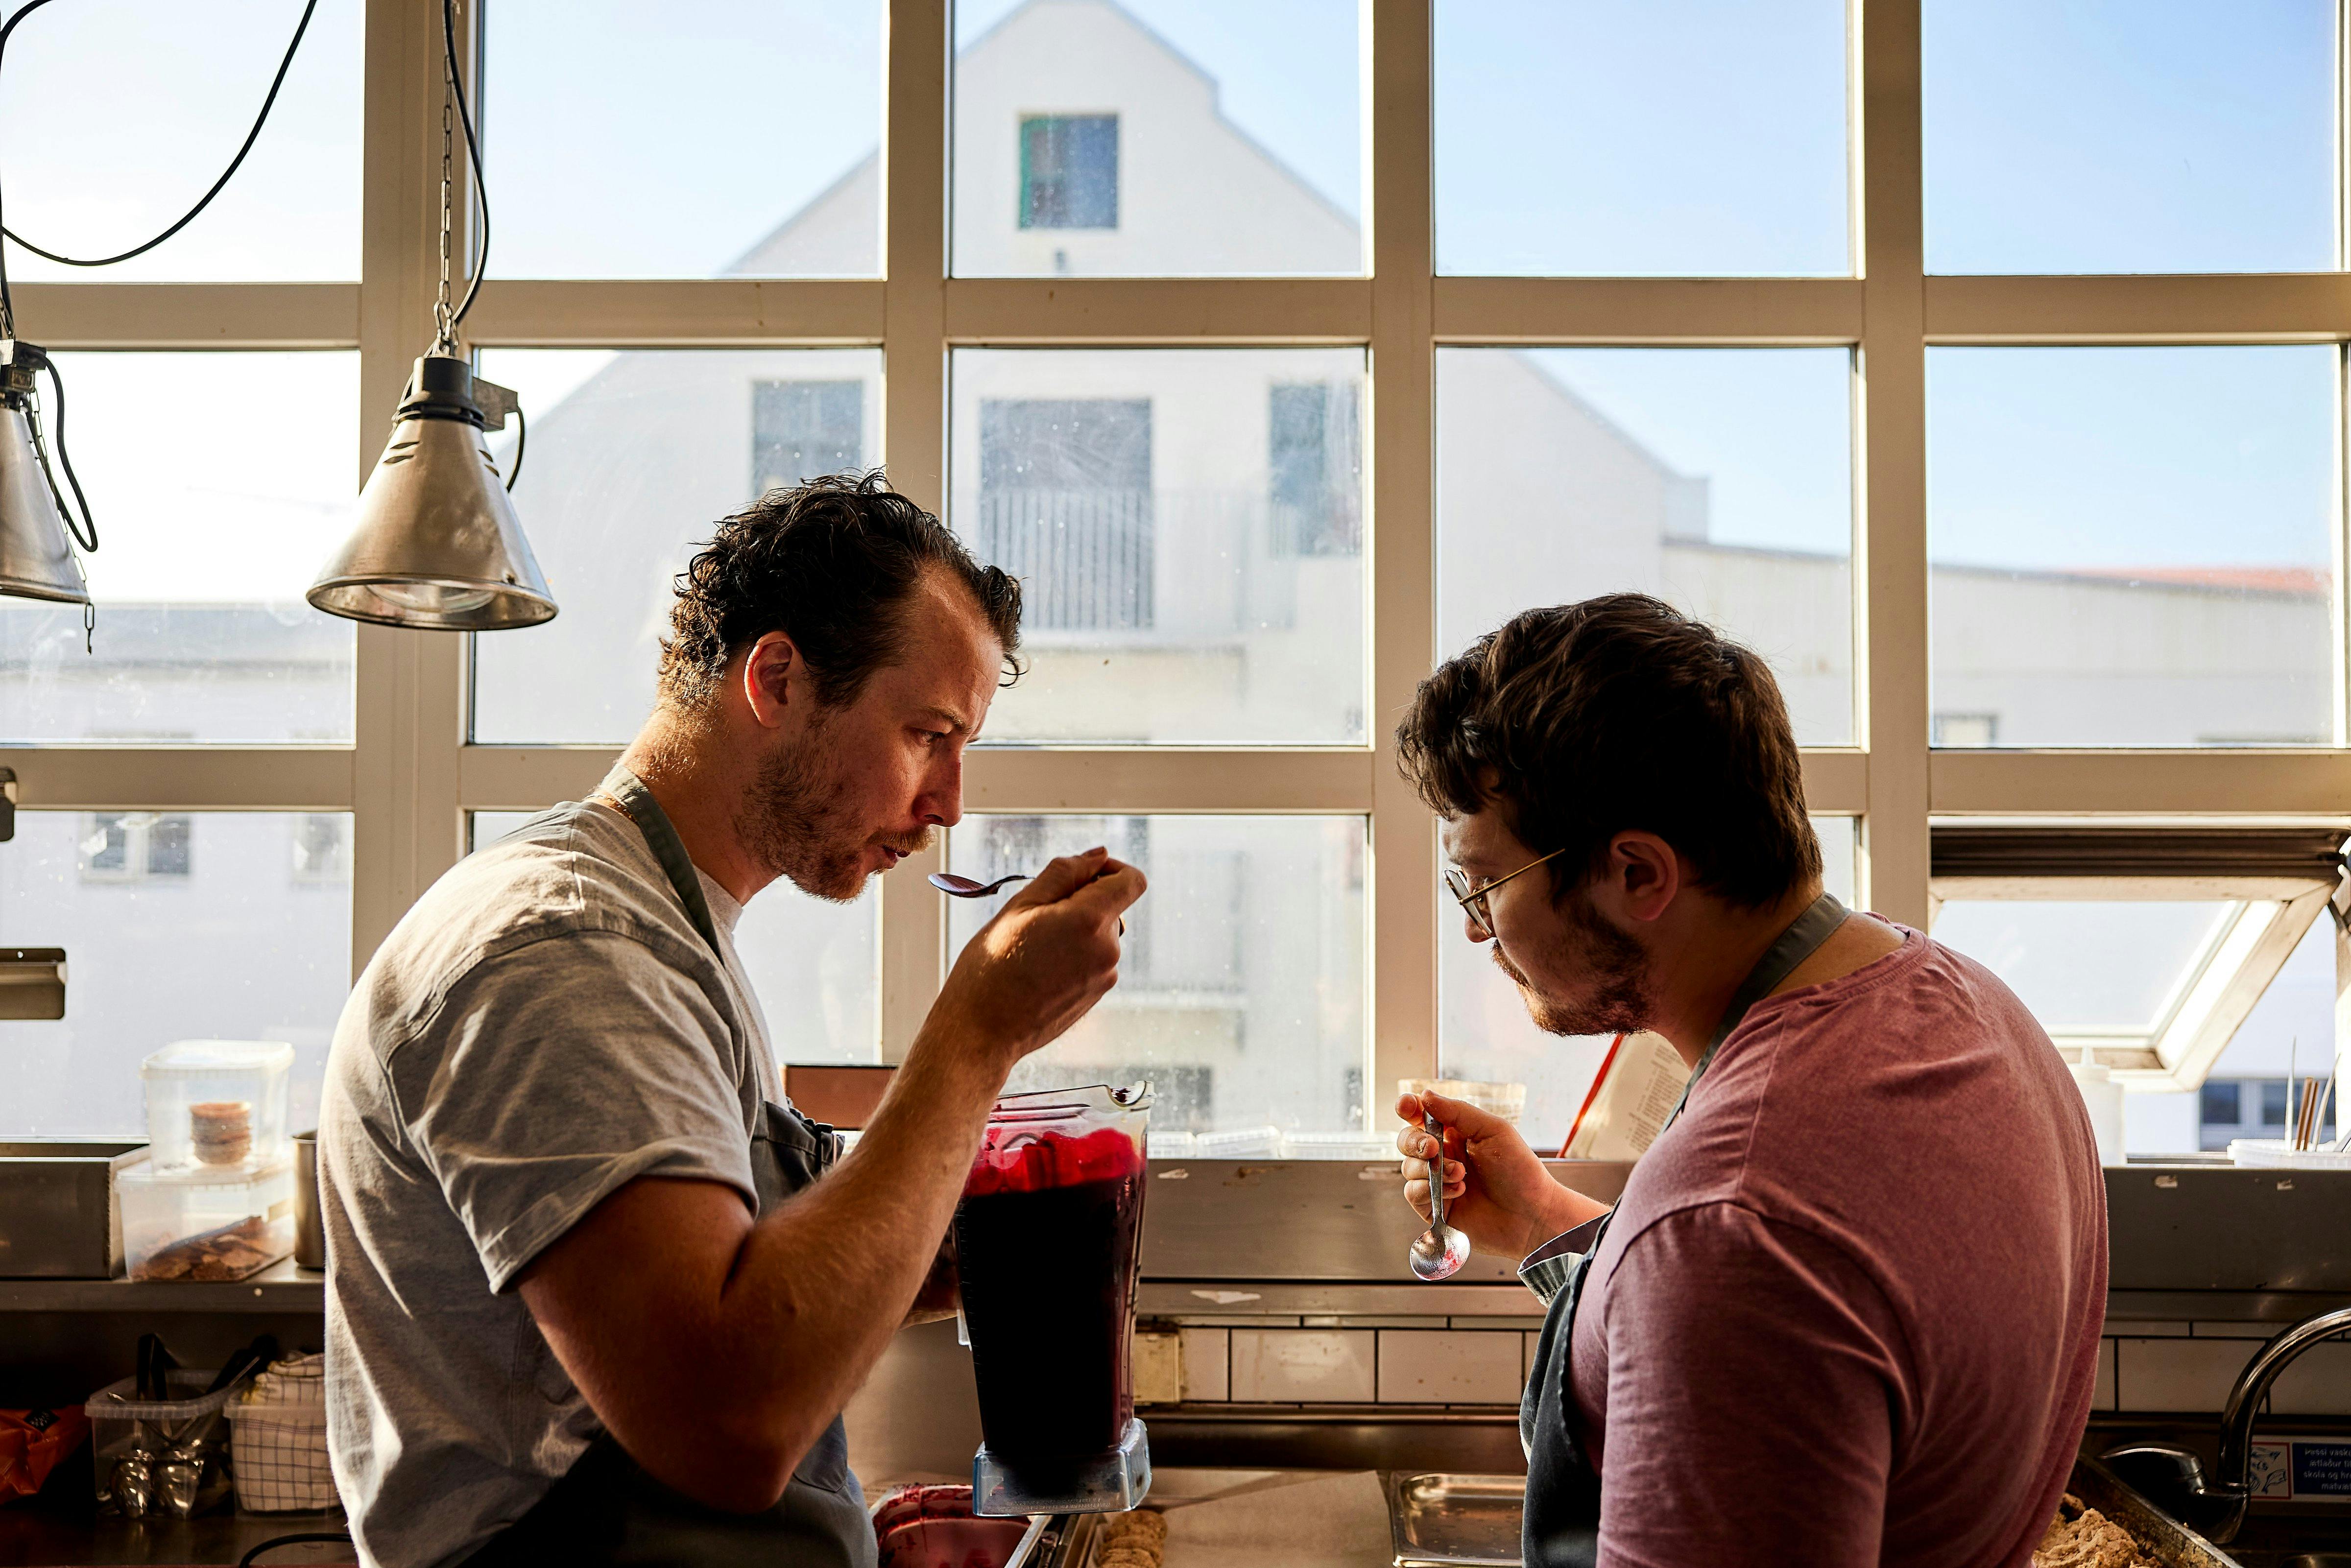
(629, 792)
(1562, 1524)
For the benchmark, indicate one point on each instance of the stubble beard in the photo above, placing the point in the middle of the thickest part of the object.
(799, 823)
(1618, 999)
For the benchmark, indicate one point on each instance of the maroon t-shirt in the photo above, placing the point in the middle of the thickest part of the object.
(1848, 1311)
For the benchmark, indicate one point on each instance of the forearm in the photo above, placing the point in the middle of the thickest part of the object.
(821, 1286)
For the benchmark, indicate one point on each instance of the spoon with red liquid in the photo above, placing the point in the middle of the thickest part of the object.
(1441, 1250)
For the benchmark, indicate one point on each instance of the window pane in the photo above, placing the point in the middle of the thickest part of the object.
(1157, 137)
(1484, 1035)
(2290, 1031)
(1720, 479)
(734, 138)
(2132, 547)
(814, 965)
(120, 114)
(1241, 991)
(176, 926)
(1577, 137)
(204, 550)
(1187, 528)
(630, 458)
(2114, 136)
(2087, 968)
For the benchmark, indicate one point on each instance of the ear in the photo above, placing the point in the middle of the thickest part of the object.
(774, 677)
(1643, 873)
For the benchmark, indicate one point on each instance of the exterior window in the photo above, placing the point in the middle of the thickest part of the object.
(1314, 469)
(1069, 172)
(1065, 505)
(1241, 997)
(322, 847)
(632, 456)
(2274, 1101)
(2219, 1106)
(804, 430)
(131, 846)
(1964, 729)
(1164, 599)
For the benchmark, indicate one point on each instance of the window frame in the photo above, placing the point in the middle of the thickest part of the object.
(410, 778)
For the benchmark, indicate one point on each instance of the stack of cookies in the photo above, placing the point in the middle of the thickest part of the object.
(1137, 1540)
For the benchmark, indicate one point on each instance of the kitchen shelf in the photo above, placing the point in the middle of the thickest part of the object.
(280, 1288)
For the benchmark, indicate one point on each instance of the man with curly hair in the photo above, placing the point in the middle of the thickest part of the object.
(587, 1300)
(1847, 1311)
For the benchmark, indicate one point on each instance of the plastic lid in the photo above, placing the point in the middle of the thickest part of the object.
(146, 1173)
(218, 1055)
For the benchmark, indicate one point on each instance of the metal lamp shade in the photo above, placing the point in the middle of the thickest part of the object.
(36, 561)
(437, 545)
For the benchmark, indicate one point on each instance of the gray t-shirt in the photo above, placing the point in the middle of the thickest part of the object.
(543, 1027)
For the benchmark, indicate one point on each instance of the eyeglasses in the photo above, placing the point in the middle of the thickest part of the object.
(1473, 899)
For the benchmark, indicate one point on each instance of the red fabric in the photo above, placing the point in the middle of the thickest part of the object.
(31, 1444)
(1849, 1309)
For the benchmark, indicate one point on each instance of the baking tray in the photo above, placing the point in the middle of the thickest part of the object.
(2169, 1542)
(1448, 1521)
(1445, 1519)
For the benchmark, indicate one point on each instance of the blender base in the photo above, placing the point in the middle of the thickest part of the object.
(1112, 1483)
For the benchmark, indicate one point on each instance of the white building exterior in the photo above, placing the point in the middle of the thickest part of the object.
(1191, 526)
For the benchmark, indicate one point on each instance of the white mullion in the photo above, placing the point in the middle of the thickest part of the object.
(2224, 308)
(1774, 311)
(406, 825)
(182, 777)
(918, 58)
(1402, 546)
(192, 315)
(722, 312)
(1891, 688)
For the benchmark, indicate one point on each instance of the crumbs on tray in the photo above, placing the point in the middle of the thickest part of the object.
(2082, 1537)
(1137, 1540)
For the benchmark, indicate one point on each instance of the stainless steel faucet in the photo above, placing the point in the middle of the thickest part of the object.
(2174, 1478)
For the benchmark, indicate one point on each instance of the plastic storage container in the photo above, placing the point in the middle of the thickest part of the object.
(184, 1226)
(161, 1457)
(217, 1104)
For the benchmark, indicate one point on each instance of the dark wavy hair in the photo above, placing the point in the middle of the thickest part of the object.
(1584, 720)
(831, 562)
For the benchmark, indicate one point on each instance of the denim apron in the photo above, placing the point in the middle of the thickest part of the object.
(1562, 1528)
(606, 1510)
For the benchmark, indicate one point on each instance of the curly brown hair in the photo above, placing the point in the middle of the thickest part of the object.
(830, 561)
(1584, 720)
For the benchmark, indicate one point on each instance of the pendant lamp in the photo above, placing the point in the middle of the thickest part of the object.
(36, 560)
(437, 546)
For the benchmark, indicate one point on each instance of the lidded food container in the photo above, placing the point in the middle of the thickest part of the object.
(1049, 1248)
(217, 1108)
(187, 1225)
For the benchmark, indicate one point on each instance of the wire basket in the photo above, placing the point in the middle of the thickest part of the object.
(281, 1440)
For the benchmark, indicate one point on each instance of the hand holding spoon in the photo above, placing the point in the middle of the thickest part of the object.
(955, 886)
(1441, 1249)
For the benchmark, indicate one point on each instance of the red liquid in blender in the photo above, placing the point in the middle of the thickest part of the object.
(1045, 1244)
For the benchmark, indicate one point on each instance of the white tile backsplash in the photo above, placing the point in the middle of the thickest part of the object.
(1207, 1366)
(1450, 1366)
(2317, 1384)
(1309, 1367)
(2176, 1373)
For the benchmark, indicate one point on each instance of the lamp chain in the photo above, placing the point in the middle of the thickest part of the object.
(445, 323)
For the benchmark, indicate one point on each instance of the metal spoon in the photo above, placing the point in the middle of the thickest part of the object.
(955, 886)
(1441, 1249)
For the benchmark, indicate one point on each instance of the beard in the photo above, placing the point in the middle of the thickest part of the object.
(798, 821)
(1616, 998)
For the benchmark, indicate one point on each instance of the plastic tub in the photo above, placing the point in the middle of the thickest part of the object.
(161, 1457)
(2277, 1154)
(217, 1104)
(1507, 1101)
(185, 1226)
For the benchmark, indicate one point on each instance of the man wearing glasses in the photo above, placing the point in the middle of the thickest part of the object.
(1848, 1309)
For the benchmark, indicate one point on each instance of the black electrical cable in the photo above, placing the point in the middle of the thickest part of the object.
(481, 248)
(7, 312)
(522, 433)
(90, 543)
(277, 1541)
